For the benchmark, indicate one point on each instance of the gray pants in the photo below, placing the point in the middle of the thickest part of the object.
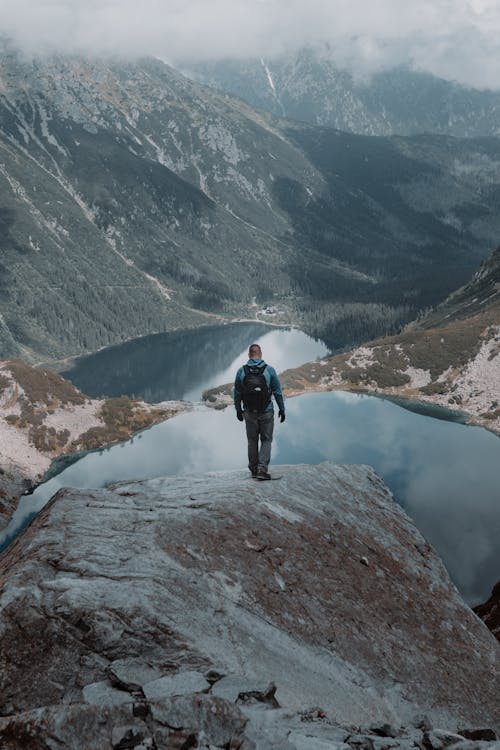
(259, 425)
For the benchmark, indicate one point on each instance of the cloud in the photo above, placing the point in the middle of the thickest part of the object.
(456, 39)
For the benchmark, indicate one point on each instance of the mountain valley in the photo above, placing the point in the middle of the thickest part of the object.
(135, 201)
(172, 607)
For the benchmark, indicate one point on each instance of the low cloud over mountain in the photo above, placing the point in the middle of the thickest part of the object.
(455, 39)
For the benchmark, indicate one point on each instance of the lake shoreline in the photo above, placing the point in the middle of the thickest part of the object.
(67, 363)
(406, 401)
(456, 414)
(219, 398)
(44, 417)
(350, 435)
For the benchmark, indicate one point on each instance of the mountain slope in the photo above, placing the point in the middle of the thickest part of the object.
(134, 201)
(309, 86)
(450, 357)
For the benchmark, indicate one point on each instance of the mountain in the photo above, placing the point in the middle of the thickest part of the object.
(309, 86)
(135, 201)
(480, 295)
(211, 611)
(450, 357)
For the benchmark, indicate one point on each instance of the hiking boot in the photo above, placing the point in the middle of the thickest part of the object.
(262, 474)
(254, 473)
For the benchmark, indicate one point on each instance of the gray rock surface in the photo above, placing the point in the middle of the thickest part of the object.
(182, 683)
(236, 688)
(103, 694)
(132, 674)
(13, 484)
(112, 593)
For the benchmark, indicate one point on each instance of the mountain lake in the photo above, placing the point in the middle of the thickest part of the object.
(444, 473)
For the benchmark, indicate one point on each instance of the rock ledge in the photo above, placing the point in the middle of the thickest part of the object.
(215, 611)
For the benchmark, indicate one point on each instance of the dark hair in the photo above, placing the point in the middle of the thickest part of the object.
(254, 349)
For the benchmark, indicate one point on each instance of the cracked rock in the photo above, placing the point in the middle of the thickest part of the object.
(219, 720)
(384, 730)
(301, 741)
(126, 737)
(485, 735)
(235, 688)
(131, 674)
(104, 694)
(181, 683)
(437, 739)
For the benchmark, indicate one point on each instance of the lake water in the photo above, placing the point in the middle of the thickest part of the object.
(182, 365)
(445, 474)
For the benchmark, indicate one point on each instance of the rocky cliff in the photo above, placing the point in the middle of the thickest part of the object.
(214, 611)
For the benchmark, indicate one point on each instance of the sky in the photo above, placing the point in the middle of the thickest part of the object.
(455, 39)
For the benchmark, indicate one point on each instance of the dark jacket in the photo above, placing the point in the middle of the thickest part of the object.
(271, 379)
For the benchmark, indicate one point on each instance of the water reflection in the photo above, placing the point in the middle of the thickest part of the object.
(444, 474)
(181, 365)
(162, 366)
(283, 349)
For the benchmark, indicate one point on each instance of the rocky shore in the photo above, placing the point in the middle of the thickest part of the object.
(403, 367)
(43, 416)
(215, 612)
(450, 357)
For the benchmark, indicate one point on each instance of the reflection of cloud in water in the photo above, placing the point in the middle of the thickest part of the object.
(282, 349)
(445, 474)
(346, 428)
(455, 499)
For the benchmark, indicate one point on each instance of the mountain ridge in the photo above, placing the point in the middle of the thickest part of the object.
(309, 86)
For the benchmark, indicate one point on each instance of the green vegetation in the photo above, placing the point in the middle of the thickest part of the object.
(4, 383)
(48, 439)
(439, 349)
(43, 386)
(122, 417)
(44, 392)
(351, 233)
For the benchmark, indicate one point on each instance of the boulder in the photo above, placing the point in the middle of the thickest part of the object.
(131, 674)
(181, 683)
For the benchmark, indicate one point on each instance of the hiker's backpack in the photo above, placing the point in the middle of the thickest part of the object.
(255, 392)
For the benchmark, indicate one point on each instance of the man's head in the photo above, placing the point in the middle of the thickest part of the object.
(254, 351)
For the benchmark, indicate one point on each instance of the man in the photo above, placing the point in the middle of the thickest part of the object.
(254, 385)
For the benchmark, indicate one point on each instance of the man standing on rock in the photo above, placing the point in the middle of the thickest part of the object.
(254, 386)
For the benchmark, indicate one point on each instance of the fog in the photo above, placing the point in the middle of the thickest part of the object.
(455, 39)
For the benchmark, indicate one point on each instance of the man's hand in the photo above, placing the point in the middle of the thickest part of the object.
(239, 415)
(281, 415)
